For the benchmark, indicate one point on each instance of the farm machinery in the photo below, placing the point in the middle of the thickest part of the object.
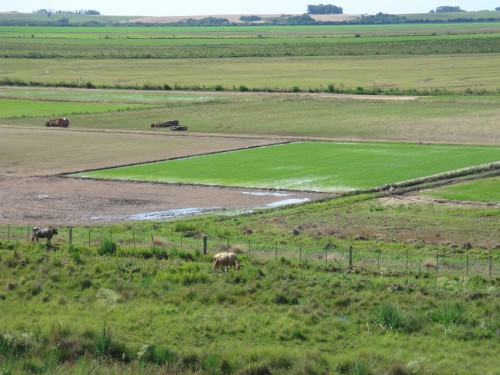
(58, 122)
(165, 124)
(172, 124)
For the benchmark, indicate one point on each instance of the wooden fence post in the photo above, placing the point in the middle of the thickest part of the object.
(467, 265)
(133, 237)
(437, 261)
(406, 260)
(70, 235)
(276, 251)
(89, 237)
(326, 257)
(8, 232)
(28, 233)
(249, 248)
(350, 256)
(491, 264)
(181, 240)
(205, 242)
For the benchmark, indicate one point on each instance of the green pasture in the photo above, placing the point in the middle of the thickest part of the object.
(484, 190)
(472, 120)
(261, 32)
(10, 108)
(247, 41)
(318, 166)
(449, 72)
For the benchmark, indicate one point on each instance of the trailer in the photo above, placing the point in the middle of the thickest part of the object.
(60, 122)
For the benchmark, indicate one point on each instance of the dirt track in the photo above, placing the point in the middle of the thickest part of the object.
(33, 192)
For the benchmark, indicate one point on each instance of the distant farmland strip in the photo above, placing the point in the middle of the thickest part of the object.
(310, 166)
(28, 108)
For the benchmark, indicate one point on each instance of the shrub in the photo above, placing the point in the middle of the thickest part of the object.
(107, 247)
(449, 314)
(389, 317)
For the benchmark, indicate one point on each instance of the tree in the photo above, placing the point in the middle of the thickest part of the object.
(324, 9)
(448, 9)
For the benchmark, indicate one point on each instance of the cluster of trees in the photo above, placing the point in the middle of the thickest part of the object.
(324, 9)
(447, 9)
(52, 11)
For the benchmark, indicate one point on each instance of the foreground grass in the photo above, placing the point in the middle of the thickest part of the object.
(179, 315)
(310, 166)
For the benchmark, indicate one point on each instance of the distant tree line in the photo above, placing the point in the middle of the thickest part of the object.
(324, 9)
(52, 11)
(448, 9)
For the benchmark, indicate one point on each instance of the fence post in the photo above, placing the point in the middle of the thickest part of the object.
(205, 242)
(350, 256)
(406, 260)
(28, 233)
(249, 248)
(326, 257)
(89, 237)
(8, 232)
(276, 251)
(437, 261)
(467, 265)
(181, 240)
(491, 264)
(70, 235)
(133, 237)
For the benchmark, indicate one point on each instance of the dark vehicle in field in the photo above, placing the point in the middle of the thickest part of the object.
(60, 122)
(165, 124)
(179, 127)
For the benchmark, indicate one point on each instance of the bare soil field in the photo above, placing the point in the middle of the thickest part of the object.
(34, 192)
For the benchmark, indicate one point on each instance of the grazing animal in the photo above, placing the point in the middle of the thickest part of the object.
(226, 260)
(47, 233)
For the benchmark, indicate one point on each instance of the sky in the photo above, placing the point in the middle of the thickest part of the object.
(207, 7)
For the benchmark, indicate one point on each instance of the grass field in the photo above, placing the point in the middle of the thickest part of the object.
(292, 320)
(423, 72)
(109, 306)
(472, 120)
(28, 108)
(310, 166)
(485, 190)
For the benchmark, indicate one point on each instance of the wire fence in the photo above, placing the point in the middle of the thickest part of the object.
(140, 242)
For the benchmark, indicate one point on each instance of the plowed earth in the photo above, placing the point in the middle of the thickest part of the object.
(34, 190)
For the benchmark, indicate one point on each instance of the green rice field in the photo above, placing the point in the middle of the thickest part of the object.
(28, 108)
(320, 166)
(484, 190)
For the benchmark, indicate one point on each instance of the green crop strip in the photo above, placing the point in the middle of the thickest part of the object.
(310, 166)
(29, 108)
(485, 190)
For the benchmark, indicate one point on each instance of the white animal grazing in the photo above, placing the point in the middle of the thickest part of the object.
(226, 260)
